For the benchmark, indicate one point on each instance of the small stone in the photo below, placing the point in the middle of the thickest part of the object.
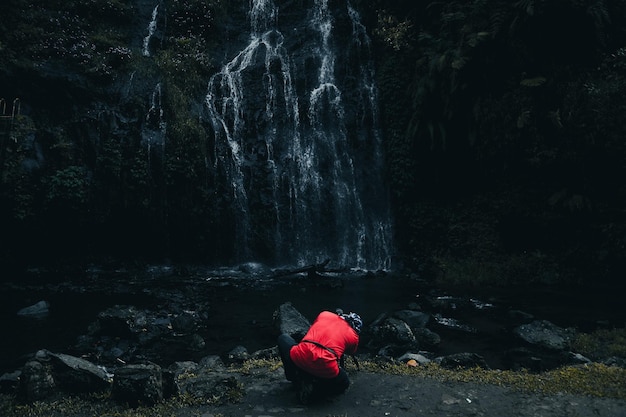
(38, 309)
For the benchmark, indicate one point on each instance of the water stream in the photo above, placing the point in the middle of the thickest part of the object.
(152, 26)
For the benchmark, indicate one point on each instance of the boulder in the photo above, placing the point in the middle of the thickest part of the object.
(417, 357)
(176, 371)
(392, 331)
(39, 309)
(545, 334)
(140, 384)
(615, 361)
(36, 381)
(288, 320)
(415, 319)
(48, 373)
(120, 321)
(130, 334)
(211, 362)
(185, 322)
(10, 381)
(462, 360)
(254, 268)
(523, 358)
(77, 375)
(539, 359)
(426, 338)
(238, 354)
(268, 353)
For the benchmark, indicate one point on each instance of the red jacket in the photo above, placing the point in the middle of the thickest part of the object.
(329, 330)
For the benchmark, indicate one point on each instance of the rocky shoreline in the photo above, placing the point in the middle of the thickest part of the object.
(160, 353)
(392, 338)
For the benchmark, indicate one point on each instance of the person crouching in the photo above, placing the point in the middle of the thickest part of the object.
(314, 363)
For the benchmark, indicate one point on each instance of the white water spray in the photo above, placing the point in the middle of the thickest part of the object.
(155, 129)
(152, 26)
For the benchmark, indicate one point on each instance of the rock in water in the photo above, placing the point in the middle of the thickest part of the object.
(39, 309)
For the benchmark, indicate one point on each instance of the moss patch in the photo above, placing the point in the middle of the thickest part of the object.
(601, 343)
(594, 379)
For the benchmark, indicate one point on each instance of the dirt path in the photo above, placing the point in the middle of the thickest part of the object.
(373, 394)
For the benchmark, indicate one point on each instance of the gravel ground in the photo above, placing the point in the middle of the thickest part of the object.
(374, 394)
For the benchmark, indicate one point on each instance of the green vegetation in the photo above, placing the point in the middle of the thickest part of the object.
(87, 36)
(102, 406)
(501, 136)
(601, 343)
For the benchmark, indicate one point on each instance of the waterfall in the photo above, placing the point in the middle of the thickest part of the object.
(227, 102)
(151, 29)
(155, 127)
(154, 118)
(304, 174)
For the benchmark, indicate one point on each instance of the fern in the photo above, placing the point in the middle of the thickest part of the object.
(526, 5)
(498, 19)
(600, 16)
(533, 82)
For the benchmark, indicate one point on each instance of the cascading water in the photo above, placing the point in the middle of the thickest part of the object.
(151, 29)
(155, 127)
(298, 145)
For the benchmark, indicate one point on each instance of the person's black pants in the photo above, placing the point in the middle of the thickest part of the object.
(324, 386)
(285, 343)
